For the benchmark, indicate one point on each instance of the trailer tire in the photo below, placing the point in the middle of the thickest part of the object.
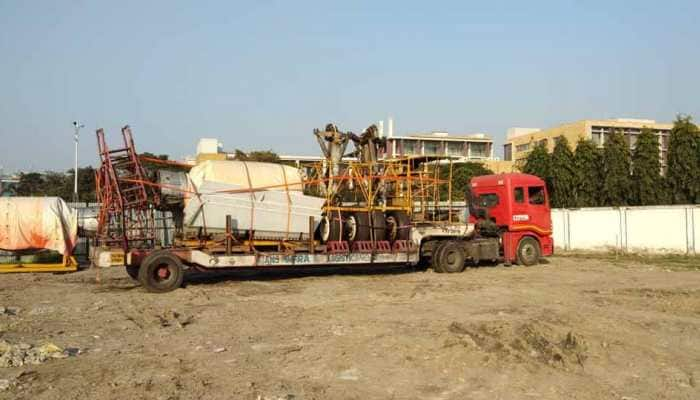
(357, 227)
(451, 257)
(397, 226)
(330, 228)
(133, 272)
(378, 225)
(435, 256)
(528, 251)
(161, 271)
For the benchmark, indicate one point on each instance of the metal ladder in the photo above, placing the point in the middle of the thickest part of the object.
(127, 216)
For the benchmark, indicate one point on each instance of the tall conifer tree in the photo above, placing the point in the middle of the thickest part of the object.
(589, 169)
(647, 185)
(616, 159)
(538, 163)
(683, 173)
(563, 175)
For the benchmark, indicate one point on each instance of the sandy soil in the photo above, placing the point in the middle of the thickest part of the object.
(575, 328)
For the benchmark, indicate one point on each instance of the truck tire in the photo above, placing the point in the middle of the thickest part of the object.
(435, 256)
(330, 228)
(451, 257)
(528, 251)
(357, 227)
(161, 271)
(378, 226)
(397, 226)
(133, 272)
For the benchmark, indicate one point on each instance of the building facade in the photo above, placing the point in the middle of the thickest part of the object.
(8, 185)
(476, 147)
(520, 141)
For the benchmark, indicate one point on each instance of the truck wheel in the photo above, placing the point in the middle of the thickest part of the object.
(435, 256)
(357, 227)
(397, 226)
(451, 257)
(528, 251)
(133, 272)
(161, 271)
(330, 228)
(378, 225)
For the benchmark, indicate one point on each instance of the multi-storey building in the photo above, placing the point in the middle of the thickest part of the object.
(475, 147)
(520, 141)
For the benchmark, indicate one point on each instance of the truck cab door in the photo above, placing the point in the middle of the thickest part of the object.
(521, 212)
(538, 208)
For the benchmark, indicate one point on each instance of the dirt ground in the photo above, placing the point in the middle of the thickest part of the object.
(575, 328)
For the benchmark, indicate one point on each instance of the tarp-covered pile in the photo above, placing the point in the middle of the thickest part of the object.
(263, 197)
(36, 223)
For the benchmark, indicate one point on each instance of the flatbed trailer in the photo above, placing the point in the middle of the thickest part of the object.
(375, 213)
(163, 269)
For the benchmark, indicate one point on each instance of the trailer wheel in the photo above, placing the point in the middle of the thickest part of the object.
(379, 225)
(330, 228)
(133, 272)
(451, 257)
(397, 224)
(161, 271)
(357, 227)
(528, 251)
(435, 256)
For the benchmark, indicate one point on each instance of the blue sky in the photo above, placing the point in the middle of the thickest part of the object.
(263, 74)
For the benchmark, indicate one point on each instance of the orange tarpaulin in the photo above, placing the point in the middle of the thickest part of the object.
(34, 223)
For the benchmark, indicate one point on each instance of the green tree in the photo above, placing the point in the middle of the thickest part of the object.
(86, 184)
(58, 184)
(588, 162)
(683, 173)
(30, 184)
(462, 173)
(538, 163)
(163, 157)
(257, 155)
(563, 175)
(647, 183)
(616, 162)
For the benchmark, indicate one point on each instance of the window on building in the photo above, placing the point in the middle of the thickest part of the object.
(598, 134)
(479, 149)
(508, 152)
(632, 141)
(519, 195)
(432, 148)
(411, 147)
(455, 149)
(488, 200)
(522, 147)
(535, 194)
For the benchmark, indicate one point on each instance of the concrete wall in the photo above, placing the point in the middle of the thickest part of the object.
(659, 229)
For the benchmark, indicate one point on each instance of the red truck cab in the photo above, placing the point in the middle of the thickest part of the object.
(518, 204)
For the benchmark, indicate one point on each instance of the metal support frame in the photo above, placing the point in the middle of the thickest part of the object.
(127, 216)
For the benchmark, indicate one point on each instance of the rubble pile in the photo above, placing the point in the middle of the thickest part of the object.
(22, 354)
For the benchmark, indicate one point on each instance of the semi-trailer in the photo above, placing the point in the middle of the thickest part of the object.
(375, 212)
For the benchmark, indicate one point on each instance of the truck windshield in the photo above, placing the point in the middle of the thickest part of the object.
(488, 200)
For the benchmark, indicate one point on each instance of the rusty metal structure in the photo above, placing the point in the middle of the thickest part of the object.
(127, 215)
(373, 199)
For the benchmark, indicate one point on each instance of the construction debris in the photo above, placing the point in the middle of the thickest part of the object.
(23, 354)
(9, 310)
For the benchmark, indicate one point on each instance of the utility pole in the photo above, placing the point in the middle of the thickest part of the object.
(76, 126)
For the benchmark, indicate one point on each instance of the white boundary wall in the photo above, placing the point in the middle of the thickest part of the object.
(654, 229)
